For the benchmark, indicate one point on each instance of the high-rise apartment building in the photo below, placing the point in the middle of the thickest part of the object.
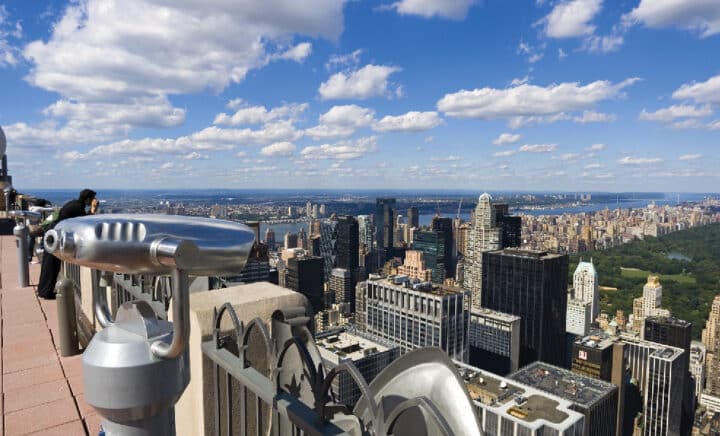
(342, 286)
(578, 318)
(596, 399)
(649, 304)
(533, 286)
(712, 345)
(697, 366)
(484, 235)
(384, 227)
(494, 339)
(415, 315)
(370, 356)
(270, 238)
(366, 234)
(432, 245)
(290, 240)
(660, 373)
(505, 407)
(586, 287)
(303, 239)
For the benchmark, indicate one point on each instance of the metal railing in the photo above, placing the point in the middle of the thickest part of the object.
(155, 290)
(276, 384)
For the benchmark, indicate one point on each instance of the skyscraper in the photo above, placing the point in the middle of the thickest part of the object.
(384, 226)
(432, 245)
(578, 317)
(290, 240)
(328, 245)
(533, 286)
(348, 244)
(483, 236)
(709, 335)
(365, 231)
(494, 339)
(414, 266)
(510, 226)
(415, 316)
(413, 217)
(586, 287)
(270, 238)
(341, 284)
(658, 371)
(649, 304)
(445, 227)
(305, 275)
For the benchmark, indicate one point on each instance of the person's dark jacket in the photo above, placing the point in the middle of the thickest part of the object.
(76, 208)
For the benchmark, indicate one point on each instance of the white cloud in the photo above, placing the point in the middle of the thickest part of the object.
(701, 16)
(532, 53)
(700, 92)
(629, 160)
(412, 121)
(194, 155)
(561, 54)
(259, 114)
(343, 150)
(594, 117)
(567, 156)
(592, 166)
(453, 9)
(449, 158)
(507, 138)
(603, 44)
(278, 149)
(538, 148)
(297, 53)
(122, 55)
(369, 81)
(676, 111)
(529, 100)
(337, 61)
(9, 53)
(596, 147)
(341, 121)
(570, 19)
(506, 153)
(690, 157)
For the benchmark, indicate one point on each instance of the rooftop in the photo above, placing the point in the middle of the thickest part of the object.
(494, 314)
(597, 339)
(535, 254)
(514, 399)
(342, 345)
(400, 281)
(579, 389)
(670, 321)
(41, 391)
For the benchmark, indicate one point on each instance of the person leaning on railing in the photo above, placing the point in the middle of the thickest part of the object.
(51, 264)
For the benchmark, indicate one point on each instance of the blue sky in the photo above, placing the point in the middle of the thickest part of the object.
(489, 94)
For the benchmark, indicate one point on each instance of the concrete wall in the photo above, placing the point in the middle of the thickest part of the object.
(194, 411)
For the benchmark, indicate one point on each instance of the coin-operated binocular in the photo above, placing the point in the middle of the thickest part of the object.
(137, 367)
(22, 233)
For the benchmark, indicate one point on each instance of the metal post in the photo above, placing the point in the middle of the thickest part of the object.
(67, 322)
(21, 235)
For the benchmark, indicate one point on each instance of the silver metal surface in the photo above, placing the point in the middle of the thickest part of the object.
(25, 215)
(67, 320)
(181, 319)
(136, 243)
(21, 233)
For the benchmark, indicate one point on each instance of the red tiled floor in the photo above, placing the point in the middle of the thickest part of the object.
(41, 417)
(37, 385)
(69, 429)
(35, 395)
(22, 379)
(92, 422)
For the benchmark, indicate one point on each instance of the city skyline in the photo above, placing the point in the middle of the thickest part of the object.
(592, 95)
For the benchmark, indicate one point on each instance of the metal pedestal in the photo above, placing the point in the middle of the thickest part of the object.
(21, 235)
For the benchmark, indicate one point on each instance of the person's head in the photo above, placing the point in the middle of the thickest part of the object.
(87, 196)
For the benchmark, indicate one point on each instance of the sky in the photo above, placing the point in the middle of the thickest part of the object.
(572, 95)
